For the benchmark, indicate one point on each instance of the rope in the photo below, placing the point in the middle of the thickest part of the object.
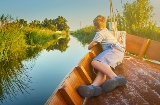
(112, 17)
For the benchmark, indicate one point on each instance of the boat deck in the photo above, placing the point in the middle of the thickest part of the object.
(142, 88)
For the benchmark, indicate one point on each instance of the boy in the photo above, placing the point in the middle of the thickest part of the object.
(112, 55)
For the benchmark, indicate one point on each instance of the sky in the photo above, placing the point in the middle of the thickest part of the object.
(76, 12)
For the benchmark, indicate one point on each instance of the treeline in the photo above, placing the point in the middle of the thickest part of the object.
(136, 19)
(16, 36)
(58, 24)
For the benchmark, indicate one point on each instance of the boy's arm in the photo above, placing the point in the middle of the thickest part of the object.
(93, 43)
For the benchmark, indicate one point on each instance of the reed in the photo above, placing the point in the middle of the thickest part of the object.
(15, 40)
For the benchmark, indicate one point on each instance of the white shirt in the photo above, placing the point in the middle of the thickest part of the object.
(106, 39)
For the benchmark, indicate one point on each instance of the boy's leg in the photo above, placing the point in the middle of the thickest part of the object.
(108, 85)
(100, 79)
(106, 69)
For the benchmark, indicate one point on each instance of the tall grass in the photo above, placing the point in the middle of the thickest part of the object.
(12, 42)
(15, 41)
(35, 36)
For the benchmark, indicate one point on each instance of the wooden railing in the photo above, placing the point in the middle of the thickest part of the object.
(142, 47)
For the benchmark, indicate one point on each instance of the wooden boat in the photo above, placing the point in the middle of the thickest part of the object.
(141, 68)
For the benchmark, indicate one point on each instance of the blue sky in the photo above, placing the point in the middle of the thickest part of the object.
(75, 11)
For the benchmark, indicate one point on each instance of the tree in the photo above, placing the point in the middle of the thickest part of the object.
(61, 24)
(5, 19)
(22, 22)
(136, 17)
(45, 23)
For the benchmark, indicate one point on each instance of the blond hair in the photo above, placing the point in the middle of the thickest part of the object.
(100, 22)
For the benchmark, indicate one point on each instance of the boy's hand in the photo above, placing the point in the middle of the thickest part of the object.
(92, 44)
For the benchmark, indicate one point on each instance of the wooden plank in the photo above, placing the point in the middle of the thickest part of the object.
(56, 99)
(143, 48)
(153, 50)
(69, 89)
(84, 74)
(65, 92)
(97, 49)
(75, 80)
(86, 63)
(134, 44)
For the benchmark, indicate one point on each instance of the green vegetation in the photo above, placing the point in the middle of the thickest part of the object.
(19, 42)
(136, 19)
(85, 35)
(16, 35)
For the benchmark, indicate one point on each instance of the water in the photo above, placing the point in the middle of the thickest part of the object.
(43, 75)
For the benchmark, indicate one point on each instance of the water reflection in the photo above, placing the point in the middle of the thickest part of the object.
(61, 45)
(14, 77)
(85, 35)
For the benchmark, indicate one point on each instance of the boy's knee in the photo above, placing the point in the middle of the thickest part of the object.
(93, 63)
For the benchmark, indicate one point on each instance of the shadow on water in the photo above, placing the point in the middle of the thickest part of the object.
(14, 77)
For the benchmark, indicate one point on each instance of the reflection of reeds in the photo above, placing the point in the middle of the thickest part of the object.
(14, 78)
(61, 44)
(85, 35)
(13, 74)
(41, 36)
(19, 44)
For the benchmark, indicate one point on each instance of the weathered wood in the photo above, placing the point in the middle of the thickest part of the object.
(84, 74)
(153, 50)
(97, 49)
(66, 95)
(143, 48)
(56, 99)
(69, 90)
(134, 44)
(86, 63)
(142, 86)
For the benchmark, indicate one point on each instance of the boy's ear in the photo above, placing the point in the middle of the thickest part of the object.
(95, 27)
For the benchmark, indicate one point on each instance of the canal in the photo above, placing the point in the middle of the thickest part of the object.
(40, 75)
